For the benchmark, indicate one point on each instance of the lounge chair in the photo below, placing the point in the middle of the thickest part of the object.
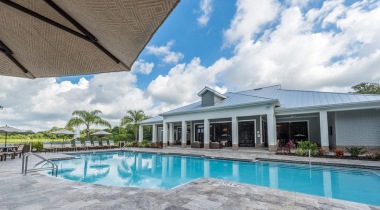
(88, 145)
(105, 144)
(197, 144)
(216, 145)
(57, 146)
(3, 156)
(20, 150)
(96, 145)
(112, 144)
(47, 146)
(67, 146)
(78, 145)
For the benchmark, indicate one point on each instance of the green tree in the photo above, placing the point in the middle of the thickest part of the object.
(1, 107)
(367, 88)
(132, 119)
(83, 117)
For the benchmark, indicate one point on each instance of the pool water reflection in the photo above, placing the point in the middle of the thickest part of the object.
(145, 170)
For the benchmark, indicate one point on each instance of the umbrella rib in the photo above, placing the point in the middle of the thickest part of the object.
(8, 52)
(92, 38)
(88, 36)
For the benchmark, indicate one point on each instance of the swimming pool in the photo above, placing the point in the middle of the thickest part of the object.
(145, 170)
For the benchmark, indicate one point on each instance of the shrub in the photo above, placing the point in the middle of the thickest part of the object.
(145, 143)
(355, 151)
(375, 156)
(301, 152)
(288, 146)
(129, 143)
(307, 145)
(339, 152)
(37, 146)
(156, 145)
(322, 151)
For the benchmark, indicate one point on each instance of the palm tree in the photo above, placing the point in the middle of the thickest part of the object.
(83, 117)
(132, 119)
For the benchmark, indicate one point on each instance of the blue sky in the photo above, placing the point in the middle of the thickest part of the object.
(227, 45)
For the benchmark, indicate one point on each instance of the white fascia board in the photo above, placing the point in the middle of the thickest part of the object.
(151, 122)
(269, 102)
(331, 108)
(211, 90)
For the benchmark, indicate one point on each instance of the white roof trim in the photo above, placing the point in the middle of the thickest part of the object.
(211, 90)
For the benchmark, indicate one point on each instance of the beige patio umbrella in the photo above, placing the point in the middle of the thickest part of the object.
(101, 133)
(63, 132)
(49, 38)
(7, 129)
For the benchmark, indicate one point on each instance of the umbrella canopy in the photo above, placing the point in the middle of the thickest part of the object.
(60, 38)
(7, 129)
(63, 131)
(100, 133)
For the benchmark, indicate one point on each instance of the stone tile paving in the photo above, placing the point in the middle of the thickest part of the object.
(39, 191)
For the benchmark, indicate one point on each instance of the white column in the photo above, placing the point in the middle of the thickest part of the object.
(206, 168)
(154, 165)
(139, 162)
(165, 135)
(324, 130)
(184, 133)
(327, 184)
(170, 170)
(235, 171)
(171, 134)
(272, 136)
(191, 132)
(273, 177)
(141, 133)
(234, 133)
(183, 167)
(154, 133)
(164, 166)
(206, 134)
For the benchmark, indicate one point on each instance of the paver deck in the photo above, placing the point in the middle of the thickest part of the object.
(39, 191)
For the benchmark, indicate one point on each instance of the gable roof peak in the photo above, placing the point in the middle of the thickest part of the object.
(206, 88)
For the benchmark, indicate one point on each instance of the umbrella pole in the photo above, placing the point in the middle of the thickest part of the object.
(6, 135)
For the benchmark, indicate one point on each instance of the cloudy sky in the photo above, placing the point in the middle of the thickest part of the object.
(227, 45)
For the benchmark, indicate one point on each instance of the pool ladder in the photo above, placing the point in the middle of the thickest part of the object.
(53, 167)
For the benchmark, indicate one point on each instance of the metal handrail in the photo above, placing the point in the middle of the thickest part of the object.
(25, 170)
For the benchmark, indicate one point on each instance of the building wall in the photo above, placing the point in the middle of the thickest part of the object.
(358, 128)
(332, 129)
(208, 99)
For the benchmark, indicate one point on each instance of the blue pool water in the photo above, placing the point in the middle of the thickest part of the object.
(145, 170)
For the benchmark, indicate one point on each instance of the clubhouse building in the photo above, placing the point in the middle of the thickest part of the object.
(268, 117)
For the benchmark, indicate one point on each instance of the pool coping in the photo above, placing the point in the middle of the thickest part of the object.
(313, 162)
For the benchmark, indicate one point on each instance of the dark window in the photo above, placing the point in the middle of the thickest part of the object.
(295, 131)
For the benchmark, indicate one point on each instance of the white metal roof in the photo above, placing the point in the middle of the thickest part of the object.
(299, 98)
(156, 119)
(231, 100)
(284, 99)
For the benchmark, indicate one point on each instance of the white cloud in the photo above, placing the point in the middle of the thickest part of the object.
(249, 19)
(331, 48)
(206, 10)
(165, 53)
(181, 85)
(141, 66)
(42, 103)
